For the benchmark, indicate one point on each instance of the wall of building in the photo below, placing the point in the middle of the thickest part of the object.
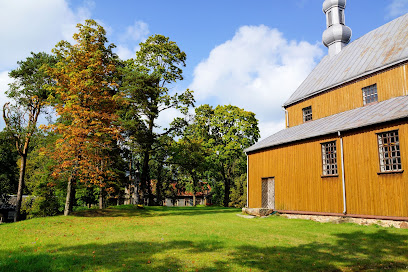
(297, 169)
(391, 83)
(370, 193)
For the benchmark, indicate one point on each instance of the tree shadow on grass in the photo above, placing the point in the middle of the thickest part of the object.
(355, 251)
(132, 210)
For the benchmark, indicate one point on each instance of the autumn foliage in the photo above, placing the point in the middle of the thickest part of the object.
(86, 100)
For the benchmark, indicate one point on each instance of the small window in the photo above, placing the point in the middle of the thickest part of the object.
(370, 94)
(341, 16)
(389, 151)
(329, 19)
(307, 114)
(329, 156)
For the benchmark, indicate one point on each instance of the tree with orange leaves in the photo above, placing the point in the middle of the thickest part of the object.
(86, 99)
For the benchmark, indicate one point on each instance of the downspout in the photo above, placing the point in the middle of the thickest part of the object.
(342, 174)
(247, 203)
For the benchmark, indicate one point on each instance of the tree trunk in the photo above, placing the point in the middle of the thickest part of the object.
(101, 198)
(227, 187)
(20, 187)
(195, 183)
(68, 200)
(159, 187)
(145, 177)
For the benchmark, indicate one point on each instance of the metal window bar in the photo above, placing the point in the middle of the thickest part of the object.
(370, 94)
(389, 151)
(307, 114)
(329, 157)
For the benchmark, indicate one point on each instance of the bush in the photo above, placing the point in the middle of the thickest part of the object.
(41, 206)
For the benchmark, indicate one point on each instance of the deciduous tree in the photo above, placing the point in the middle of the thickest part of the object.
(146, 81)
(30, 91)
(226, 131)
(86, 100)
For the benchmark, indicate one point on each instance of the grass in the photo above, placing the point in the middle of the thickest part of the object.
(125, 238)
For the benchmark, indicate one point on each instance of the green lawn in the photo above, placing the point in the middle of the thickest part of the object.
(196, 239)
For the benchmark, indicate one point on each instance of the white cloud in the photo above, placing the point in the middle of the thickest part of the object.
(36, 26)
(131, 38)
(397, 8)
(258, 69)
(136, 32)
(124, 52)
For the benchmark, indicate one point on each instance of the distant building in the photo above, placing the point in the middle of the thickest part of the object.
(8, 208)
(345, 148)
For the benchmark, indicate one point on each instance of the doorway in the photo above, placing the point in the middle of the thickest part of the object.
(268, 193)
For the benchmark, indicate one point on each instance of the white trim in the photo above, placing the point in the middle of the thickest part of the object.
(343, 175)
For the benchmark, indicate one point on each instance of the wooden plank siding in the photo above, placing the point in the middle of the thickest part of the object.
(369, 193)
(390, 83)
(297, 169)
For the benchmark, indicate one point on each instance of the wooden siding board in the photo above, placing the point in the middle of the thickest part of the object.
(389, 84)
(377, 49)
(297, 169)
(295, 188)
(367, 192)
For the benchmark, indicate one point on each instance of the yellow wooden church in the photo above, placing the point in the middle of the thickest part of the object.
(345, 147)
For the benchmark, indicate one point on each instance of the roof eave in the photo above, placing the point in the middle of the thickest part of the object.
(286, 104)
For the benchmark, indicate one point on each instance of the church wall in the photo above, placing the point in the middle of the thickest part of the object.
(390, 83)
(297, 169)
(370, 193)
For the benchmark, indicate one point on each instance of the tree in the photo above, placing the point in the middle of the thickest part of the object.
(190, 155)
(145, 85)
(30, 91)
(86, 99)
(227, 131)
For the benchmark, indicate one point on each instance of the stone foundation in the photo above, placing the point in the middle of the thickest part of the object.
(257, 211)
(330, 219)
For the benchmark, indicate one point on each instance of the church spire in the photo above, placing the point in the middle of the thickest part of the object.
(337, 35)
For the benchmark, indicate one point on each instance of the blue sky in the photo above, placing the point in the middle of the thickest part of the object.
(252, 54)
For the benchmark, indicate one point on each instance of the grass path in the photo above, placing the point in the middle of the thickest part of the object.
(196, 239)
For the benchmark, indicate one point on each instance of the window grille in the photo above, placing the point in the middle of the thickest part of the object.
(329, 156)
(389, 151)
(370, 94)
(307, 114)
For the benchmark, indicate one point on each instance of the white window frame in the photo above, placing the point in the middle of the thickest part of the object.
(329, 159)
(389, 152)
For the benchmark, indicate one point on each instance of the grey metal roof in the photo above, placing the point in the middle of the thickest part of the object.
(378, 49)
(389, 110)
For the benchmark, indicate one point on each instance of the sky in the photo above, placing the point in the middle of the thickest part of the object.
(251, 54)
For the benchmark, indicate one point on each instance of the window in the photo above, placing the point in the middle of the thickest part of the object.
(329, 19)
(341, 16)
(307, 114)
(389, 151)
(370, 94)
(329, 157)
